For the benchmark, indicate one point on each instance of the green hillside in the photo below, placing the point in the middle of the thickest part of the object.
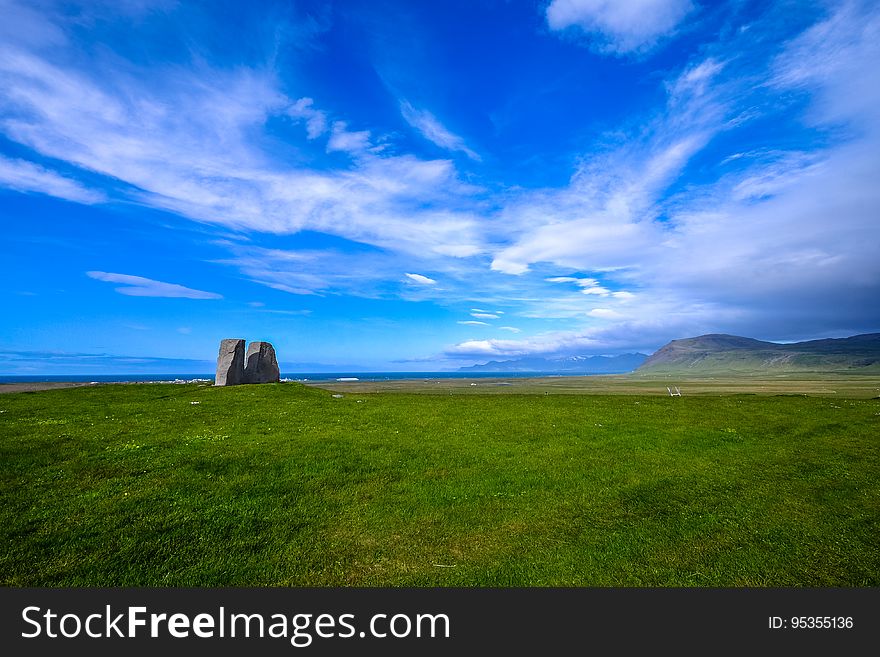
(730, 354)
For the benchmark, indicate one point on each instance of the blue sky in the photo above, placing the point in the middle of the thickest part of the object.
(424, 185)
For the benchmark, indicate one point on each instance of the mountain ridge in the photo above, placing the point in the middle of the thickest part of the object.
(720, 353)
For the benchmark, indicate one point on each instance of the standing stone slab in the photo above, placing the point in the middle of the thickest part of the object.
(230, 363)
(261, 365)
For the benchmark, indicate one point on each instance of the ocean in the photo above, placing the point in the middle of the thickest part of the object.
(291, 376)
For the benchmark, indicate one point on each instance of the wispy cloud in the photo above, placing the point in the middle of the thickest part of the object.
(606, 218)
(421, 280)
(138, 286)
(295, 313)
(60, 363)
(182, 139)
(597, 290)
(752, 252)
(473, 323)
(434, 131)
(620, 27)
(23, 176)
(342, 139)
(349, 270)
(604, 313)
(587, 285)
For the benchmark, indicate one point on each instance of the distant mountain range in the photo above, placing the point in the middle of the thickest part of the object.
(570, 365)
(730, 354)
(715, 353)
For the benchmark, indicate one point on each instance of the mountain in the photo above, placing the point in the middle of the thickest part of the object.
(720, 354)
(571, 365)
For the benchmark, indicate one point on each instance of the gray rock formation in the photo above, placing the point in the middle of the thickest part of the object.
(230, 363)
(261, 365)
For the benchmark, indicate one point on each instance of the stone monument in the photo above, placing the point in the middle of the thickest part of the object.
(234, 368)
(261, 365)
(230, 363)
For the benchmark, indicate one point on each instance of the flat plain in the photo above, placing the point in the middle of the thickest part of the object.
(735, 483)
(813, 384)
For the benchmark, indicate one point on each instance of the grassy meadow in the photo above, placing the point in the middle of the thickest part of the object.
(808, 383)
(284, 484)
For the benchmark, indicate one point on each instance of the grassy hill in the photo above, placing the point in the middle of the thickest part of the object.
(281, 484)
(730, 354)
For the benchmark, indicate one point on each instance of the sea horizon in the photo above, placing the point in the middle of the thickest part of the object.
(285, 376)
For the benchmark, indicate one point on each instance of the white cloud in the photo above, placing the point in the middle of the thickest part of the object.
(512, 329)
(301, 313)
(836, 61)
(25, 176)
(458, 250)
(476, 348)
(283, 287)
(605, 219)
(485, 315)
(316, 120)
(773, 177)
(421, 280)
(434, 131)
(753, 253)
(695, 81)
(364, 272)
(182, 140)
(137, 286)
(473, 323)
(656, 325)
(604, 313)
(599, 222)
(341, 139)
(620, 26)
(581, 282)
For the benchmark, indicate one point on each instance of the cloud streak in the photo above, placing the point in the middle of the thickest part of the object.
(138, 286)
(23, 176)
(186, 146)
(434, 131)
(421, 280)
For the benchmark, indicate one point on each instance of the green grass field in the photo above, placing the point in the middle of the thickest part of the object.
(810, 383)
(283, 484)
